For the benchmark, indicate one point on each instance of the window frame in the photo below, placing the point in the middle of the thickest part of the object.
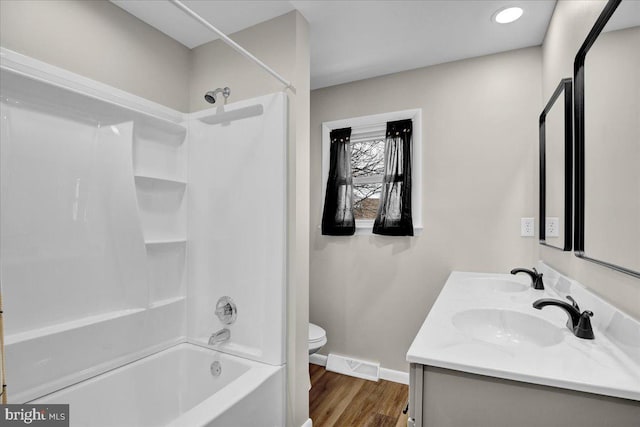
(373, 124)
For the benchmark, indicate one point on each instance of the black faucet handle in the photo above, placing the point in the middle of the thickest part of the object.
(538, 275)
(584, 329)
(537, 281)
(575, 304)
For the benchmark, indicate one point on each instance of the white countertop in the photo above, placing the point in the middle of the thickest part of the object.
(598, 366)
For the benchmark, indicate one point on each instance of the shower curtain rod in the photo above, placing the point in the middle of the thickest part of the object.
(233, 44)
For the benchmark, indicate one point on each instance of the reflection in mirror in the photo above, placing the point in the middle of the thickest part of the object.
(608, 140)
(556, 169)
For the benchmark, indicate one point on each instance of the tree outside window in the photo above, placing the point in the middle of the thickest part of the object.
(367, 167)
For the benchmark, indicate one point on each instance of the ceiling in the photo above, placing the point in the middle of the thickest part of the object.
(355, 40)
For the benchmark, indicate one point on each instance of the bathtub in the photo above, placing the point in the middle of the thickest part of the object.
(176, 387)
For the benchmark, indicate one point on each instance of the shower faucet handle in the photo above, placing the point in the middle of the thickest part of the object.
(226, 310)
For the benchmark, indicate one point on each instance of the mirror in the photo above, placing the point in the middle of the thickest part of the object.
(607, 129)
(556, 169)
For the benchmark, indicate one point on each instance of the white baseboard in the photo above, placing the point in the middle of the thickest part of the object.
(318, 359)
(385, 374)
(394, 376)
(308, 423)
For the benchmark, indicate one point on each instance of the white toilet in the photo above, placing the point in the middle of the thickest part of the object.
(317, 338)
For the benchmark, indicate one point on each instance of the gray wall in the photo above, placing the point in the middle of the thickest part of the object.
(570, 24)
(99, 40)
(372, 293)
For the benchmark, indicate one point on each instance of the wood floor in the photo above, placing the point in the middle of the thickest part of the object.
(343, 401)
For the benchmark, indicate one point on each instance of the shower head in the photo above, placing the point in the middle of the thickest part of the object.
(210, 96)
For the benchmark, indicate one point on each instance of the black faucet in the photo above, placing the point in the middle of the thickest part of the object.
(536, 278)
(578, 323)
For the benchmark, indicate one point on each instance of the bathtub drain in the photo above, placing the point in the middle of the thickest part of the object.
(216, 369)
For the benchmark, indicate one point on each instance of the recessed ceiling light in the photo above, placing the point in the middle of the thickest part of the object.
(505, 16)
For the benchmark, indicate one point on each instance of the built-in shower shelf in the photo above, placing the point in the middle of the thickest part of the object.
(167, 301)
(159, 124)
(170, 181)
(67, 326)
(169, 241)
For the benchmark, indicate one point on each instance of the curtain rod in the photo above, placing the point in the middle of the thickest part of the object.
(234, 45)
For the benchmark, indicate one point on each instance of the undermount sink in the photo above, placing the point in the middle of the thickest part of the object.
(506, 327)
(499, 284)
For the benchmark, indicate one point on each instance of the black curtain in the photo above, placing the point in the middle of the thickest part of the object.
(394, 212)
(337, 216)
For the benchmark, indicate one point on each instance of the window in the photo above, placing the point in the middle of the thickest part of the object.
(367, 164)
(367, 169)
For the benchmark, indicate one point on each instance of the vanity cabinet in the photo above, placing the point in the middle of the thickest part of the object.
(485, 357)
(448, 398)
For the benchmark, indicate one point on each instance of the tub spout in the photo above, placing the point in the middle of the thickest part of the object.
(220, 336)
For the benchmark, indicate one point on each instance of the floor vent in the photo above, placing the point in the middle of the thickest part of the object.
(353, 367)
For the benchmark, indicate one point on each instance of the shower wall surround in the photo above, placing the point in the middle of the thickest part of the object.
(94, 233)
(77, 279)
(287, 51)
(237, 228)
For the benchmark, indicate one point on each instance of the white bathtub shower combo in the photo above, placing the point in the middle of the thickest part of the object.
(123, 224)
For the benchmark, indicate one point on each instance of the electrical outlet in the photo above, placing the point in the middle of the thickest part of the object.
(527, 227)
(552, 225)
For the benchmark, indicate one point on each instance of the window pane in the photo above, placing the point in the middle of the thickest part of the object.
(367, 157)
(366, 198)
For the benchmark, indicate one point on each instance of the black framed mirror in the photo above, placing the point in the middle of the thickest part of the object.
(556, 169)
(607, 133)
